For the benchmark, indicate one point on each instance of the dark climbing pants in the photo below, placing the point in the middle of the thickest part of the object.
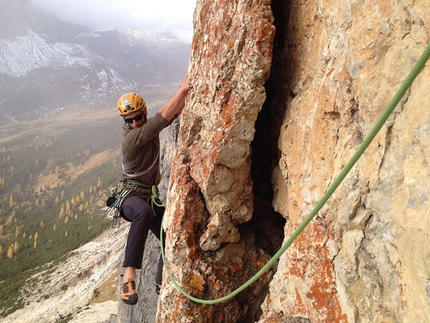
(139, 212)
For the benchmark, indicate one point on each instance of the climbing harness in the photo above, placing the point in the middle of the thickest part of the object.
(124, 188)
(332, 188)
(127, 186)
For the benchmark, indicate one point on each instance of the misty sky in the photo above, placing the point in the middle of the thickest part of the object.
(161, 16)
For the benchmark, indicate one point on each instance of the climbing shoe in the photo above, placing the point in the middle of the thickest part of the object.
(128, 292)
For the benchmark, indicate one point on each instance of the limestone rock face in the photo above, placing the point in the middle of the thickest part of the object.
(334, 66)
(365, 258)
(210, 192)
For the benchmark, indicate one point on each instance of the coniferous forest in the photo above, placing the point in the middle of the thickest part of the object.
(55, 175)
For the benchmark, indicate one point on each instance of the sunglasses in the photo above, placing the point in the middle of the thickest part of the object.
(135, 118)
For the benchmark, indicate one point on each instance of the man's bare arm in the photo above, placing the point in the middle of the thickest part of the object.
(176, 103)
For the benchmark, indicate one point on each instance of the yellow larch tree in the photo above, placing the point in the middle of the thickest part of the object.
(15, 247)
(10, 252)
(62, 213)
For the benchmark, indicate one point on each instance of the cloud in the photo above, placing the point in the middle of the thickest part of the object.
(161, 16)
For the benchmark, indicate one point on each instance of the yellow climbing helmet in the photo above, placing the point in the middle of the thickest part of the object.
(131, 102)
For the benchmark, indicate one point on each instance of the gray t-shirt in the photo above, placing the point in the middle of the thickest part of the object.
(141, 151)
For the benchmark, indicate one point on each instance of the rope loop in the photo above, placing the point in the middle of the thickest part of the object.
(155, 200)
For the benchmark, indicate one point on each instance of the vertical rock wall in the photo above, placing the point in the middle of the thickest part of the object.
(210, 193)
(336, 65)
(366, 257)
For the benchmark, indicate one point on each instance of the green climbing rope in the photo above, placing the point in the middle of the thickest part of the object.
(361, 149)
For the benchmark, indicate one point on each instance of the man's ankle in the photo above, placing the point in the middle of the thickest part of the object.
(129, 273)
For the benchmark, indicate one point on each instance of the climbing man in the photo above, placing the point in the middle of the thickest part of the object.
(141, 175)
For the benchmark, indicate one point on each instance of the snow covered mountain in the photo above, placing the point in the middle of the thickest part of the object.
(22, 55)
(46, 64)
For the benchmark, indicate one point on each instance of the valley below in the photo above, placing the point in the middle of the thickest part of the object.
(60, 138)
(59, 258)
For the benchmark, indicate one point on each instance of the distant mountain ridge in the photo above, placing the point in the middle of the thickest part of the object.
(46, 64)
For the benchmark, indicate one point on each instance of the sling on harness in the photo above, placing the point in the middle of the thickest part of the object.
(126, 187)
